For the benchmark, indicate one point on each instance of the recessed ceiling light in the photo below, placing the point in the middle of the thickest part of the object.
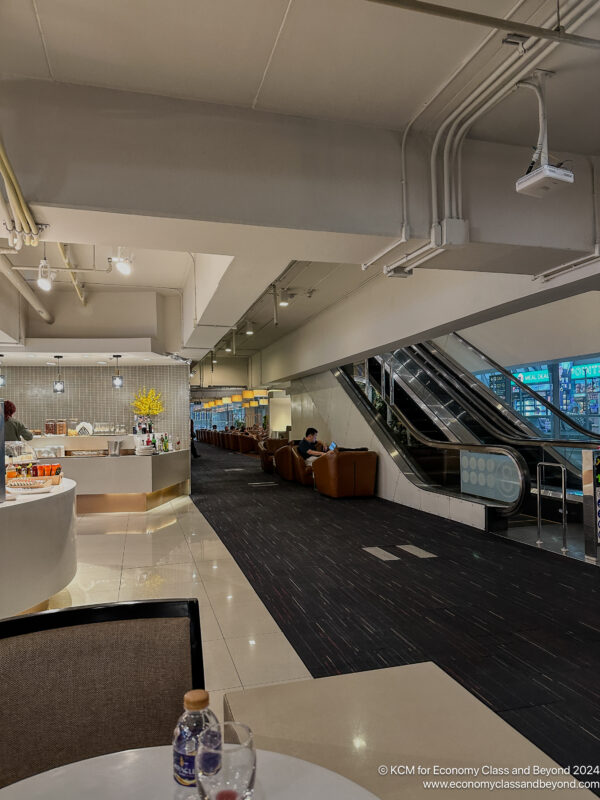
(49, 363)
(102, 363)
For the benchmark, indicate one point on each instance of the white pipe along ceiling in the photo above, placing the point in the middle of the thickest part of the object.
(24, 289)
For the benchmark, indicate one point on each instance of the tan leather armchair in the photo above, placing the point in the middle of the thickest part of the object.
(303, 472)
(267, 450)
(247, 443)
(346, 474)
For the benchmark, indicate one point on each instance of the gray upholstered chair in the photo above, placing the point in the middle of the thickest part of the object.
(82, 682)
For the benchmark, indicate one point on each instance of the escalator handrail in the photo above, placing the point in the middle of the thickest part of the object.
(455, 389)
(514, 455)
(533, 441)
(511, 418)
(538, 397)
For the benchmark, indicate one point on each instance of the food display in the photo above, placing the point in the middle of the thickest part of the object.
(32, 478)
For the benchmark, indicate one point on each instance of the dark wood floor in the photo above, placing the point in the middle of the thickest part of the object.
(519, 628)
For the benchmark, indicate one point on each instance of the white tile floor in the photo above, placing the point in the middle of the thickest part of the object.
(173, 552)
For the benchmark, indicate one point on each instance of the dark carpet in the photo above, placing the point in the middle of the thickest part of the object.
(518, 627)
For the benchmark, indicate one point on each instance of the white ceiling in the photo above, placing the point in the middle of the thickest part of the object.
(315, 286)
(349, 60)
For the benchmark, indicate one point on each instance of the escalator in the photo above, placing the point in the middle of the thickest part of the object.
(444, 418)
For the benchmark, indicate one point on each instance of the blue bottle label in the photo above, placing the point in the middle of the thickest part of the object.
(183, 768)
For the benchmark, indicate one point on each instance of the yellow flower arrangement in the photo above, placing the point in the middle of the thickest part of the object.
(148, 403)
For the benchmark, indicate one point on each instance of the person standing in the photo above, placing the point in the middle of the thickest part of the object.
(13, 429)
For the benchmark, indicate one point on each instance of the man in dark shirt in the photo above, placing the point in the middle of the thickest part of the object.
(307, 445)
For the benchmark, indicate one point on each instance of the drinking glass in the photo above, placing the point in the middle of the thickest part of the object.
(226, 762)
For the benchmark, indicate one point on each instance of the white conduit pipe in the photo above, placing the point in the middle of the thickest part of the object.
(489, 84)
(24, 289)
(539, 56)
(541, 148)
(403, 168)
(539, 50)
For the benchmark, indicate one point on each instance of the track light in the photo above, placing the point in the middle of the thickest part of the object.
(249, 328)
(45, 275)
(228, 348)
(284, 298)
(59, 384)
(123, 261)
(117, 379)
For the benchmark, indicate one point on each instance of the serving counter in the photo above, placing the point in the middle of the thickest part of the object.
(116, 483)
(37, 548)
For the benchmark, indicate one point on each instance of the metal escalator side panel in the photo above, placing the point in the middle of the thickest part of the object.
(429, 403)
(395, 450)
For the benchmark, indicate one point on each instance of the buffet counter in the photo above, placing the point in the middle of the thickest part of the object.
(37, 547)
(126, 483)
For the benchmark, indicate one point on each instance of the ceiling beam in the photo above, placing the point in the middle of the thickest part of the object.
(507, 25)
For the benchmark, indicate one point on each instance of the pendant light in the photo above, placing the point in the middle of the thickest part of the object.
(2, 376)
(249, 328)
(284, 299)
(117, 379)
(59, 384)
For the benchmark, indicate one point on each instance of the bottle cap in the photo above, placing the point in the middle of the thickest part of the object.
(195, 700)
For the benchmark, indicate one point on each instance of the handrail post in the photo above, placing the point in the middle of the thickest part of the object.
(539, 541)
(564, 549)
(563, 485)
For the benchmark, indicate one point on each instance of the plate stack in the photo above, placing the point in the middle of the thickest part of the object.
(144, 450)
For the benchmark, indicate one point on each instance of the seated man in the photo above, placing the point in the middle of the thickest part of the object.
(307, 445)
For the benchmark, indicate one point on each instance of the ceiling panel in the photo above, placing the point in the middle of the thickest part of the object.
(364, 62)
(206, 49)
(21, 48)
(330, 282)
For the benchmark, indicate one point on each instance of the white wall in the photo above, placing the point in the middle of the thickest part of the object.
(140, 153)
(106, 314)
(569, 327)
(226, 372)
(319, 401)
(280, 413)
(390, 312)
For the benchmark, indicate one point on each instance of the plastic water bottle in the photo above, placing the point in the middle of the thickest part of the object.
(196, 717)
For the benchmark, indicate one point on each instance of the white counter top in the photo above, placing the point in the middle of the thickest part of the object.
(37, 547)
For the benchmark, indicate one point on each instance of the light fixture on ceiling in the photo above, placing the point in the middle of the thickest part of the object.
(59, 384)
(123, 261)
(249, 328)
(46, 276)
(228, 348)
(2, 375)
(117, 379)
(284, 299)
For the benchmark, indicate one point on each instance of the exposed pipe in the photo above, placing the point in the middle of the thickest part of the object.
(403, 168)
(509, 26)
(541, 148)
(24, 289)
(76, 286)
(539, 50)
(546, 49)
(438, 92)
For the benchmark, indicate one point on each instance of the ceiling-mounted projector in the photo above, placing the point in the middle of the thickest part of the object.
(544, 180)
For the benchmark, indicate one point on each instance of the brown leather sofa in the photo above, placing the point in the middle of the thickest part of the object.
(346, 474)
(267, 449)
